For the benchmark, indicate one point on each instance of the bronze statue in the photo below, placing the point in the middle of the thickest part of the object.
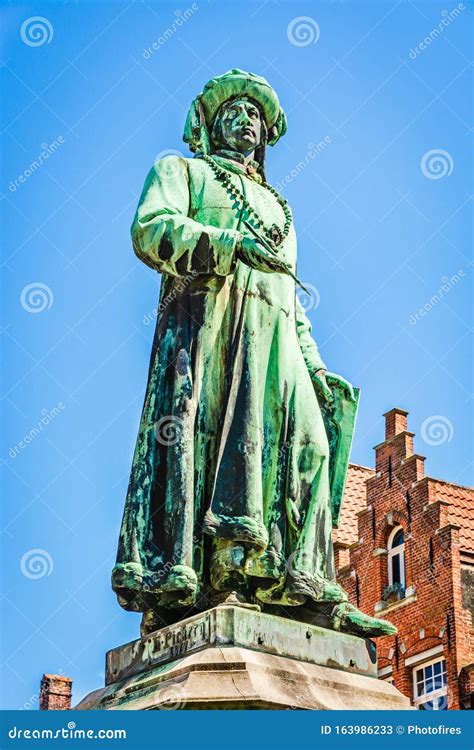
(244, 439)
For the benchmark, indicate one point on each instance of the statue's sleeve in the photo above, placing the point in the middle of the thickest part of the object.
(307, 344)
(167, 239)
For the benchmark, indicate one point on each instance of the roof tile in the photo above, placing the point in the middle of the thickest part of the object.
(460, 510)
(354, 500)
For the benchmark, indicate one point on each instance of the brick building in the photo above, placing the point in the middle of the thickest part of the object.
(405, 552)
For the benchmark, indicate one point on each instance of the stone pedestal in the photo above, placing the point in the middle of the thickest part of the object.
(231, 657)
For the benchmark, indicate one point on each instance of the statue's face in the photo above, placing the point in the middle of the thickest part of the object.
(241, 126)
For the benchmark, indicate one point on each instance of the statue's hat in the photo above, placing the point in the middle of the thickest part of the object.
(220, 89)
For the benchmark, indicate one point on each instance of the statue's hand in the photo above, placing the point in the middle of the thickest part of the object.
(325, 382)
(253, 254)
(337, 380)
(322, 387)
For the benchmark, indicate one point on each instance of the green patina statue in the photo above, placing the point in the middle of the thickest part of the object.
(244, 439)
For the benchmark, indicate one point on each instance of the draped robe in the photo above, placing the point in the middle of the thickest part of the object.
(231, 462)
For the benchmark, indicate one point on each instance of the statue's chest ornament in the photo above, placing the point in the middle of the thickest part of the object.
(240, 203)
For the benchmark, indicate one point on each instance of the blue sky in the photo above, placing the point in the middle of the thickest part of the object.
(382, 214)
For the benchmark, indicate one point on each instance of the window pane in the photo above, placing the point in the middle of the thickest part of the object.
(428, 679)
(440, 680)
(396, 569)
(436, 704)
(398, 539)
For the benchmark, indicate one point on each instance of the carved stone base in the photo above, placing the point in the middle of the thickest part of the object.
(236, 658)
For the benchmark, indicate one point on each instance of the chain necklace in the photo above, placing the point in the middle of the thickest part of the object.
(273, 233)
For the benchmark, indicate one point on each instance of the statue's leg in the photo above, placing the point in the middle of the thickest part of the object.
(311, 563)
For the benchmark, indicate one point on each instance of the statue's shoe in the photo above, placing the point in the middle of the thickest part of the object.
(300, 587)
(332, 592)
(227, 571)
(278, 594)
(348, 619)
(315, 587)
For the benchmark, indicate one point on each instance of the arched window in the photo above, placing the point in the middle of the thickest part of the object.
(396, 557)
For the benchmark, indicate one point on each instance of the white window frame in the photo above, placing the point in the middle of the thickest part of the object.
(442, 692)
(386, 673)
(393, 552)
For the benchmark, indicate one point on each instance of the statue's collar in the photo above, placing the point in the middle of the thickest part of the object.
(234, 162)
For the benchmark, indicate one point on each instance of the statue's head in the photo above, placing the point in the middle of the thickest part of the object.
(239, 125)
(237, 110)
